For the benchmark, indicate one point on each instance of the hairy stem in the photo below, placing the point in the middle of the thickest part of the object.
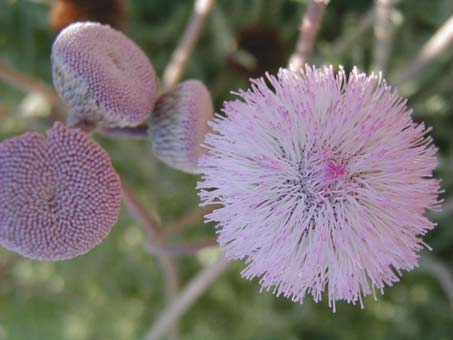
(193, 290)
(309, 28)
(178, 62)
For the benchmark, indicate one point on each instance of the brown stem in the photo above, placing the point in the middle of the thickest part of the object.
(436, 45)
(28, 83)
(193, 290)
(178, 62)
(309, 28)
(82, 124)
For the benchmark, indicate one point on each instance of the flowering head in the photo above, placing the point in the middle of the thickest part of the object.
(179, 124)
(104, 77)
(59, 194)
(324, 179)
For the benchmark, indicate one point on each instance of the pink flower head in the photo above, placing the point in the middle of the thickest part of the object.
(324, 179)
(59, 195)
(179, 124)
(105, 78)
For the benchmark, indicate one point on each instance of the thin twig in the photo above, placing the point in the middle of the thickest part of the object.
(345, 41)
(178, 62)
(138, 211)
(188, 220)
(438, 43)
(308, 31)
(155, 246)
(28, 83)
(194, 289)
(138, 132)
(178, 249)
(384, 31)
(168, 266)
(166, 262)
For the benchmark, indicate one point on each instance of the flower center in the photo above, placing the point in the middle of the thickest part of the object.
(332, 172)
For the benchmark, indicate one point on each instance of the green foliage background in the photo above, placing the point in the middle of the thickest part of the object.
(117, 290)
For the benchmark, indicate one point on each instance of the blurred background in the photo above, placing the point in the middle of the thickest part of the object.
(117, 290)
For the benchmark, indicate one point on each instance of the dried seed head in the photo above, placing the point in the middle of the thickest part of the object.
(179, 124)
(59, 195)
(105, 78)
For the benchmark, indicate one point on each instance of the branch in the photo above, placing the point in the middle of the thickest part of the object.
(138, 132)
(155, 246)
(138, 211)
(438, 43)
(194, 289)
(384, 31)
(178, 249)
(167, 263)
(168, 266)
(345, 41)
(28, 83)
(308, 31)
(188, 220)
(174, 70)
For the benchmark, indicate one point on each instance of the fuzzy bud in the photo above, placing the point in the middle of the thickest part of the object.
(104, 77)
(179, 124)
